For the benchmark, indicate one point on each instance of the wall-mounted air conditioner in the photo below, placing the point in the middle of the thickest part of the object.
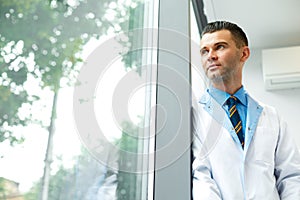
(281, 68)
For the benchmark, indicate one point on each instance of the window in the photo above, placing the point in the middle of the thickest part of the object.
(84, 58)
(95, 99)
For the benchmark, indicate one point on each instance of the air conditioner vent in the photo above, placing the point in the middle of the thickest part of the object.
(281, 68)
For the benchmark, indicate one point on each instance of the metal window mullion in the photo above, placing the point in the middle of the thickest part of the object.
(172, 178)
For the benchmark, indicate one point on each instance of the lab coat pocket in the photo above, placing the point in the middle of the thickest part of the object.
(264, 143)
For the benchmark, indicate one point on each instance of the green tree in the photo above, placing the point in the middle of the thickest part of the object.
(43, 39)
(127, 188)
(2, 188)
(83, 181)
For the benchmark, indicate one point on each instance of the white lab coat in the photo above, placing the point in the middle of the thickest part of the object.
(268, 168)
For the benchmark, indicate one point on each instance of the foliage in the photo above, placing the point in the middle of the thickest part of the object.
(44, 39)
(83, 181)
(133, 59)
(10, 104)
(127, 181)
(2, 188)
(88, 179)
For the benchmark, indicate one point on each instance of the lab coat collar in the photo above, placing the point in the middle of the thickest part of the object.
(217, 112)
(253, 115)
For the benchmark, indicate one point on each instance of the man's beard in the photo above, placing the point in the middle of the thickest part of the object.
(218, 78)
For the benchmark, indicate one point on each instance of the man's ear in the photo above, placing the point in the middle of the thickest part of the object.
(245, 53)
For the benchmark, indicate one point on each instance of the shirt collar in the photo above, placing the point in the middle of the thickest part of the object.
(221, 96)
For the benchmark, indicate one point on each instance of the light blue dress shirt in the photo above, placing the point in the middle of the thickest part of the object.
(221, 97)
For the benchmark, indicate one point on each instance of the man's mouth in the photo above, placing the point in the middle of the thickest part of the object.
(212, 67)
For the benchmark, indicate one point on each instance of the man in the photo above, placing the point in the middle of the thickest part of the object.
(242, 149)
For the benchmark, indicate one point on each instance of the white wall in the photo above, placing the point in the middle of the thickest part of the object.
(285, 101)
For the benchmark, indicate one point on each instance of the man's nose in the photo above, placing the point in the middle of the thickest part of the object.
(212, 55)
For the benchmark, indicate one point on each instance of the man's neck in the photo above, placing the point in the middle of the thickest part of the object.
(229, 88)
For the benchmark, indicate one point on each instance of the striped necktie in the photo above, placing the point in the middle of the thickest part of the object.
(235, 118)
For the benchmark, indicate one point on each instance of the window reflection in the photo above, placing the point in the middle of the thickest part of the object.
(44, 47)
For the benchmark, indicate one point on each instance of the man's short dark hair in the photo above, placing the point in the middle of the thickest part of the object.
(238, 34)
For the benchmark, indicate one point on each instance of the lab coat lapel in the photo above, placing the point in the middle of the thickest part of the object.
(253, 115)
(218, 114)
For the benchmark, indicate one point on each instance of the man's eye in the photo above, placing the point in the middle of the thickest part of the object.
(203, 51)
(220, 47)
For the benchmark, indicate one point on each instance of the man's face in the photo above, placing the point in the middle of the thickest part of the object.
(220, 57)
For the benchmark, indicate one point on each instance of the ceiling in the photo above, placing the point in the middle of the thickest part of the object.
(267, 23)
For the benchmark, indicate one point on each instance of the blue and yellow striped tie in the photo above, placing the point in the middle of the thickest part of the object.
(235, 118)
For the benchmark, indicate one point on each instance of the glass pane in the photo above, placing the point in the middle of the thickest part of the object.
(199, 82)
(75, 99)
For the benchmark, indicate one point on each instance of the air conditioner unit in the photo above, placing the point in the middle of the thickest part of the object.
(281, 68)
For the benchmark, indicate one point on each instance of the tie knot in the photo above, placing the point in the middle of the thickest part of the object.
(231, 101)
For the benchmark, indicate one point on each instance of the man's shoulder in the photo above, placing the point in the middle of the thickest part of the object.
(267, 109)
